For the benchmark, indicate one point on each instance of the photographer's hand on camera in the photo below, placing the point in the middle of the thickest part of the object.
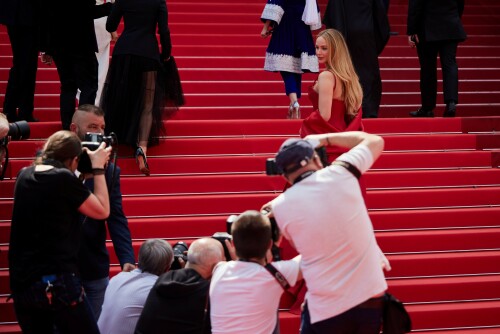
(231, 249)
(99, 158)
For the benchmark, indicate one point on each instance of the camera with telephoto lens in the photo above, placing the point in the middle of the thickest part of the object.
(180, 250)
(92, 141)
(272, 169)
(17, 131)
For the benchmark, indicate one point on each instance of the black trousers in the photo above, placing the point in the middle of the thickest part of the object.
(20, 92)
(67, 309)
(386, 4)
(76, 71)
(365, 61)
(427, 56)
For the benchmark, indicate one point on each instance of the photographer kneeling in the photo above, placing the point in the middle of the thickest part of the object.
(45, 236)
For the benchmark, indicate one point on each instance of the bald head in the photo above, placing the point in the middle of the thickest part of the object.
(203, 255)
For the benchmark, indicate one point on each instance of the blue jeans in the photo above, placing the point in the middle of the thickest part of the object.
(65, 309)
(365, 318)
(95, 294)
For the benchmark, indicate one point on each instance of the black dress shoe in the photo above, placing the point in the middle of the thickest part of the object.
(422, 113)
(450, 109)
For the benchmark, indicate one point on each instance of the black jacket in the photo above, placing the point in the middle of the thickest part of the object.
(93, 257)
(176, 304)
(361, 22)
(68, 26)
(141, 18)
(436, 20)
(19, 12)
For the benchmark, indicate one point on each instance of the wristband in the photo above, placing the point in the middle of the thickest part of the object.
(98, 171)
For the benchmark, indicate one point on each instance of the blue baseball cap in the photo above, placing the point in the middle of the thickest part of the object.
(293, 154)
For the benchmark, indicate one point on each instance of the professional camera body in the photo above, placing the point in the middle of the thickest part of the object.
(17, 131)
(180, 249)
(92, 141)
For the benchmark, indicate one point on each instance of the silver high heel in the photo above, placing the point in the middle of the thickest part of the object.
(294, 110)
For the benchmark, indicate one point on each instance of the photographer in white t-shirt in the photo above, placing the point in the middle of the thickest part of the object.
(325, 218)
(245, 294)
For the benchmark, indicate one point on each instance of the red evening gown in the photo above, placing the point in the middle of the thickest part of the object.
(339, 122)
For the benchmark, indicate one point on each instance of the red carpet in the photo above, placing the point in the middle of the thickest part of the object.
(433, 196)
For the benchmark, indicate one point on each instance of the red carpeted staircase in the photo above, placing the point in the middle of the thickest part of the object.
(433, 196)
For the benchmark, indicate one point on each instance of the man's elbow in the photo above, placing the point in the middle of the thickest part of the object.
(376, 144)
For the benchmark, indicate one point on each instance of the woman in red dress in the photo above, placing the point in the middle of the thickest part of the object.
(336, 95)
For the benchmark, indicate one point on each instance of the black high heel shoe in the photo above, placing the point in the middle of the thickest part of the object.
(142, 161)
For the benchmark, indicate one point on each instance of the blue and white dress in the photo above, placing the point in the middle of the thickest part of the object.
(291, 48)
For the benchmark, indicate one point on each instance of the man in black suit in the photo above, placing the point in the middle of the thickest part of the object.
(434, 27)
(365, 27)
(68, 37)
(20, 17)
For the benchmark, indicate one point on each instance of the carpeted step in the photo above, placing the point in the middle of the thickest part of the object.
(435, 218)
(224, 204)
(449, 315)
(396, 242)
(256, 164)
(203, 225)
(267, 145)
(257, 73)
(439, 240)
(241, 49)
(159, 206)
(51, 114)
(9, 328)
(414, 290)
(439, 264)
(432, 198)
(472, 29)
(276, 86)
(260, 183)
(260, 99)
(476, 8)
(255, 39)
(199, 128)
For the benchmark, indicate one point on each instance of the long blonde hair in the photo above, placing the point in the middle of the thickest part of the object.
(340, 64)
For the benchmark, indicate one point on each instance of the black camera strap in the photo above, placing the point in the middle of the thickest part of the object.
(351, 168)
(274, 272)
(4, 155)
(278, 276)
(303, 176)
